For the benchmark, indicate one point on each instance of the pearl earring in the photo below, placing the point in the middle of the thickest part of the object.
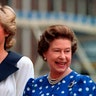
(45, 59)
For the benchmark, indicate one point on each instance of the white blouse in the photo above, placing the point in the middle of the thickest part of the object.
(15, 83)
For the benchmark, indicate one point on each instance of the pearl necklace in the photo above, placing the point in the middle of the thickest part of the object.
(54, 81)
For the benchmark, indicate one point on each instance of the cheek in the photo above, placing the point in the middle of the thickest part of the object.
(69, 58)
(51, 58)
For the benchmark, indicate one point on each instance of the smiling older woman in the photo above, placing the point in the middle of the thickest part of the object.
(57, 45)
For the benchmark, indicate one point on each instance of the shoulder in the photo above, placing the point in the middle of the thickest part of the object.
(40, 79)
(84, 81)
(19, 57)
(33, 82)
(25, 62)
(26, 67)
(82, 85)
(30, 82)
(28, 87)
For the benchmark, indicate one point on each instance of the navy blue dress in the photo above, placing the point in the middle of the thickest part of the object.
(73, 84)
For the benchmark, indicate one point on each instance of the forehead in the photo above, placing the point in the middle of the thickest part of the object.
(60, 43)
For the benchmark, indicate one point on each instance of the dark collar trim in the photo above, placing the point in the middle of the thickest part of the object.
(8, 66)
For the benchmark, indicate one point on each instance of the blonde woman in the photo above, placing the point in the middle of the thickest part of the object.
(15, 69)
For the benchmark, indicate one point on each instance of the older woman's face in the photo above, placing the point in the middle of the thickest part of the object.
(59, 55)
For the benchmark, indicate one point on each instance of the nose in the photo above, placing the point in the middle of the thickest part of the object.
(62, 55)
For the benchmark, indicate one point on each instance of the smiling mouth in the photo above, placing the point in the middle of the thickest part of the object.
(60, 63)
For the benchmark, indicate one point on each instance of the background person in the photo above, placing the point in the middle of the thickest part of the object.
(57, 46)
(15, 69)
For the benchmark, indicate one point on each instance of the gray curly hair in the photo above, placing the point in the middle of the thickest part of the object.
(8, 22)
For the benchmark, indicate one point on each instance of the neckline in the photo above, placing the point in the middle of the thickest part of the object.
(53, 81)
(8, 65)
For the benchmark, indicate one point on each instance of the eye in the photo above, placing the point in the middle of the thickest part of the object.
(56, 50)
(68, 50)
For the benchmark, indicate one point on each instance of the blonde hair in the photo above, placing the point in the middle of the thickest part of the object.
(7, 21)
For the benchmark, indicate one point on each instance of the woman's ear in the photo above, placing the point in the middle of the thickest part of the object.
(44, 57)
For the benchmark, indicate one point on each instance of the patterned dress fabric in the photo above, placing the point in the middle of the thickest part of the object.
(73, 84)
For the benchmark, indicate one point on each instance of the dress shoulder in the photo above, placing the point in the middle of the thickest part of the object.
(83, 84)
(25, 60)
(28, 87)
(84, 79)
(32, 84)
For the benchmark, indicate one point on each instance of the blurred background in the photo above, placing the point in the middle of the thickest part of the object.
(33, 16)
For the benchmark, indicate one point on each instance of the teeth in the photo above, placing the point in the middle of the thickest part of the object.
(62, 63)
